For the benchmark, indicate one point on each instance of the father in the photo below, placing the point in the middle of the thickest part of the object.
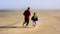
(26, 16)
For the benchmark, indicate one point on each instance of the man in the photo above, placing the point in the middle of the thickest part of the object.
(26, 16)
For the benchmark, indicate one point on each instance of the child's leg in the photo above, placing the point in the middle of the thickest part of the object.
(34, 23)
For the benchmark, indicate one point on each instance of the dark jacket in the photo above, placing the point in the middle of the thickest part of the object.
(26, 14)
(34, 19)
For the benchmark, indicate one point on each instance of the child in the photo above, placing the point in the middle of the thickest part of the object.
(34, 19)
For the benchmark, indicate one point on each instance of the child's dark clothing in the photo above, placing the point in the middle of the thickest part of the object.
(34, 19)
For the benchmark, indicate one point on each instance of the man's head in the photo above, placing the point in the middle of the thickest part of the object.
(28, 8)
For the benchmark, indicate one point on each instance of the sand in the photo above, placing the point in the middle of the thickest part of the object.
(48, 23)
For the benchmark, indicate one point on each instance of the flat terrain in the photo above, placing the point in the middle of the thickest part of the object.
(48, 23)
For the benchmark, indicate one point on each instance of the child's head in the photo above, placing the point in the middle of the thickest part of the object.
(34, 13)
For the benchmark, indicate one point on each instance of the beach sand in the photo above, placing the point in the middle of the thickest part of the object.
(48, 23)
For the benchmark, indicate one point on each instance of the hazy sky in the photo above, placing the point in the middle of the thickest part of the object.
(34, 4)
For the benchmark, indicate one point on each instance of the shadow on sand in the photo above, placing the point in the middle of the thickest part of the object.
(3, 28)
(14, 27)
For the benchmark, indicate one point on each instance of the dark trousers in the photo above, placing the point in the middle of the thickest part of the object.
(26, 21)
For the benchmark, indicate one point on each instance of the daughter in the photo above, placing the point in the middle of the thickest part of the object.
(34, 19)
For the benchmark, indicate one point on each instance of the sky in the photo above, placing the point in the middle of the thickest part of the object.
(33, 4)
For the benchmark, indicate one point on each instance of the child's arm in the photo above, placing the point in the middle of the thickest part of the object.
(37, 18)
(32, 18)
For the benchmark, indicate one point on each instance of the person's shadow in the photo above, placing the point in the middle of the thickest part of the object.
(2, 28)
(14, 27)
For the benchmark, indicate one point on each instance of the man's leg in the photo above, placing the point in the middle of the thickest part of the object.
(27, 22)
(24, 21)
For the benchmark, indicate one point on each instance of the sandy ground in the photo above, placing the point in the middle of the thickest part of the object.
(48, 23)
